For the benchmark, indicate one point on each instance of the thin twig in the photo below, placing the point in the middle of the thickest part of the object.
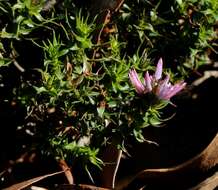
(16, 64)
(116, 168)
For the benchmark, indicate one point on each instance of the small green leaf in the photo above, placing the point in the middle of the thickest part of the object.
(40, 90)
(101, 111)
(138, 135)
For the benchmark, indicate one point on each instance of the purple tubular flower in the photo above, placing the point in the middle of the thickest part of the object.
(163, 89)
(140, 89)
(148, 82)
(173, 90)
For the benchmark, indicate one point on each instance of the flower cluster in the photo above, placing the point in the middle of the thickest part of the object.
(162, 88)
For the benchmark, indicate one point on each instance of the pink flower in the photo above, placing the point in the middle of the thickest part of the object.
(163, 89)
(140, 88)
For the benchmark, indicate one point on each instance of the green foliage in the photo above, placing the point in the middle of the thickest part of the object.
(83, 31)
(25, 16)
(70, 151)
(180, 31)
(82, 89)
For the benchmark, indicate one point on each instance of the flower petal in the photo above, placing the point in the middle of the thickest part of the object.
(163, 87)
(148, 82)
(176, 88)
(140, 88)
(159, 69)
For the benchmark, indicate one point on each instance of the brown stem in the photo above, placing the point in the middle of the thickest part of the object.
(67, 171)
